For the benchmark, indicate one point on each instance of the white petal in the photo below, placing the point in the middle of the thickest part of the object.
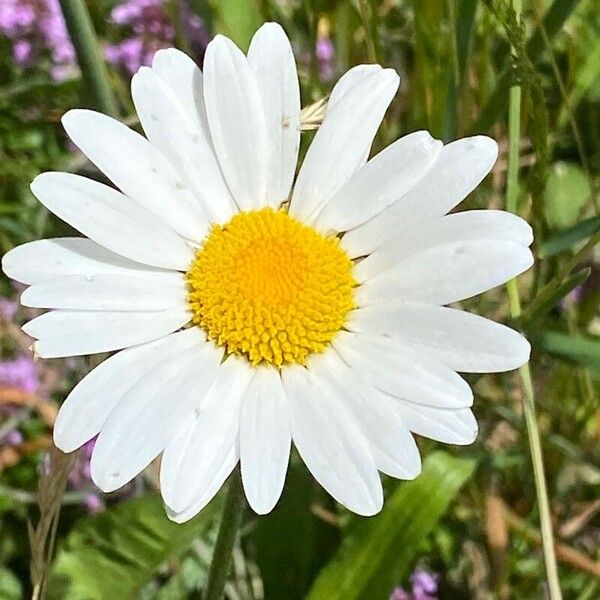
(47, 259)
(448, 273)
(203, 497)
(461, 340)
(458, 170)
(183, 142)
(191, 461)
(137, 169)
(112, 220)
(184, 79)
(472, 225)
(109, 292)
(87, 407)
(265, 439)
(63, 333)
(396, 368)
(237, 122)
(447, 426)
(331, 443)
(151, 413)
(272, 61)
(342, 142)
(394, 448)
(380, 182)
(349, 81)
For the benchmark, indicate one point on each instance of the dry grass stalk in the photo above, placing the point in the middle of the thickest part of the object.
(564, 553)
(45, 408)
(312, 115)
(51, 489)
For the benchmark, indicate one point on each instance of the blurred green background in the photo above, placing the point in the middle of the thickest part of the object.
(469, 523)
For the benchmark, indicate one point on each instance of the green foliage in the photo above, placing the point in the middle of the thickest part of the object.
(578, 349)
(288, 569)
(566, 239)
(380, 551)
(116, 553)
(567, 191)
(237, 19)
(10, 586)
(531, 315)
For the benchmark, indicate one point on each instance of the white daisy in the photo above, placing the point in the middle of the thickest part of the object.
(247, 316)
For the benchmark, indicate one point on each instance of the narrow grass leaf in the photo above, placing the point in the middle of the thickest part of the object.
(380, 551)
(529, 317)
(567, 238)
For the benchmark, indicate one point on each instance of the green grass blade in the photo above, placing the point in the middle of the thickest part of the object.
(567, 238)
(578, 349)
(379, 551)
(531, 316)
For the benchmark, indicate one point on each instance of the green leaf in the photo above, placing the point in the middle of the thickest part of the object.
(237, 19)
(380, 551)
(567, 190)
(567, 238)
(531, 316)
(114, 554)
(581, 350)
(288, 569)
(10, 586)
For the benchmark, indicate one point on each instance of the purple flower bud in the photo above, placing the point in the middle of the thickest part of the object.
(93, 503)
(22, 52)
(424, 585)
(12, 438)
(399, 593)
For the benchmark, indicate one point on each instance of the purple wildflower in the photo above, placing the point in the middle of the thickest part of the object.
(36, 27)
(400, 593)
(325, 51)
(80, 477)
(424, 587)
(12, 438)
(8, 309)
(148, 21)
(20, 373)
(93, 503)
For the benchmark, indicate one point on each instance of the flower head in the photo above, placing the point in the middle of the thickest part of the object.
(247, 314)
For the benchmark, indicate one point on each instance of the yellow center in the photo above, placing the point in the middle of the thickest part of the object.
(270, 288)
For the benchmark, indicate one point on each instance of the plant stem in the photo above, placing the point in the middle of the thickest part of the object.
(535, 445)
(231, 521)
(93, 69)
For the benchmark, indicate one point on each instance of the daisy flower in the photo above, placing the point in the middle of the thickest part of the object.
(248, 315)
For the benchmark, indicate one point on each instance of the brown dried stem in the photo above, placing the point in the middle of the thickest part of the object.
(51, 489)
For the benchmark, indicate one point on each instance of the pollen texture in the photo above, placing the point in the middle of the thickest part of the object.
(270, 288)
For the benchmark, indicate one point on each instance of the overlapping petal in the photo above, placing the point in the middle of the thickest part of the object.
(272, 61)
(343, 141)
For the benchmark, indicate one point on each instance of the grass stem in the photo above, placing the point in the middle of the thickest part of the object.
(535, 444)
(93, 69)
(233, 511)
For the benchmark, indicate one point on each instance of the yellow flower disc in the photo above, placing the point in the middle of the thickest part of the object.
(270, 288)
